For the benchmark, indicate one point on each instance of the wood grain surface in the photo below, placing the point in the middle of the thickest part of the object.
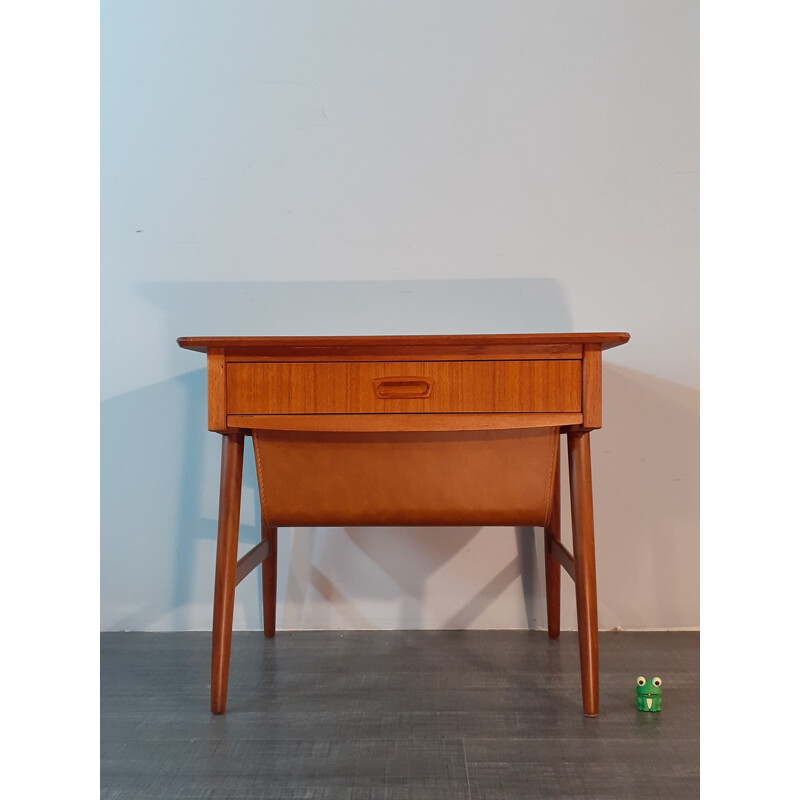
(475, 421)
(537, 345)
(400, 422)
(455, 387)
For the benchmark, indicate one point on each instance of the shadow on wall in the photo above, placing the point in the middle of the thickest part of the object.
(160, 474)
(389, 549)
(407, 557)
(160, 464)
(160, 468)
(346, 308)
(646, 471)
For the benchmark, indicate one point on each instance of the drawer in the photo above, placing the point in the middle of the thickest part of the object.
(403, 387)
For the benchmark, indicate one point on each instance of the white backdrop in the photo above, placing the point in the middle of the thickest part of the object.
(338, 167)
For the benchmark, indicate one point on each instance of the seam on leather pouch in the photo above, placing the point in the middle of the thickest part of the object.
(549, 509)
(260, 475)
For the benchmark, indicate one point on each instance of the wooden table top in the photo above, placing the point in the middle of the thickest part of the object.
(457, 342)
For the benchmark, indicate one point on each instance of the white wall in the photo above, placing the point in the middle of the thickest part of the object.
(339, 167)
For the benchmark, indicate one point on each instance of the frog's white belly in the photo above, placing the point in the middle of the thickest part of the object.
(649, 703)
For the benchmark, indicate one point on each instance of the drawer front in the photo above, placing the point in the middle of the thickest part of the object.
(403, 387)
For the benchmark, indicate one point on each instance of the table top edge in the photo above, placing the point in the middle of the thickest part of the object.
(606, 340)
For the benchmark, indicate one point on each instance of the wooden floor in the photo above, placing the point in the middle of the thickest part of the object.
(406, 715)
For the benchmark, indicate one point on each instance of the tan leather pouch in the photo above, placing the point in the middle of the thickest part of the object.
(485, 477)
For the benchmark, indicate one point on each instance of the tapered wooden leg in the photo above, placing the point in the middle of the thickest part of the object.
(269, 578)
(230, 494)
(552, 569)
(580, 482)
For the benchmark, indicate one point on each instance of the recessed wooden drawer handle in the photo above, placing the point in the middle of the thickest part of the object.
(402, 388)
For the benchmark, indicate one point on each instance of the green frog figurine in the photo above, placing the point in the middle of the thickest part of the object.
(648, 694)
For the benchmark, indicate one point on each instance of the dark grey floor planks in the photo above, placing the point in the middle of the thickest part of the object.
(401, 715)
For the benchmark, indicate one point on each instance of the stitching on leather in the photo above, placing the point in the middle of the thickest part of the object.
(549, 507)
(259, 475)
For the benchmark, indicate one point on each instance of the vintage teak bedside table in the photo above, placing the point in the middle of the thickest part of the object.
(406, 430)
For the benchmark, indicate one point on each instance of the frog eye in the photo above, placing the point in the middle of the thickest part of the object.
(641, 680)
(656, 682)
